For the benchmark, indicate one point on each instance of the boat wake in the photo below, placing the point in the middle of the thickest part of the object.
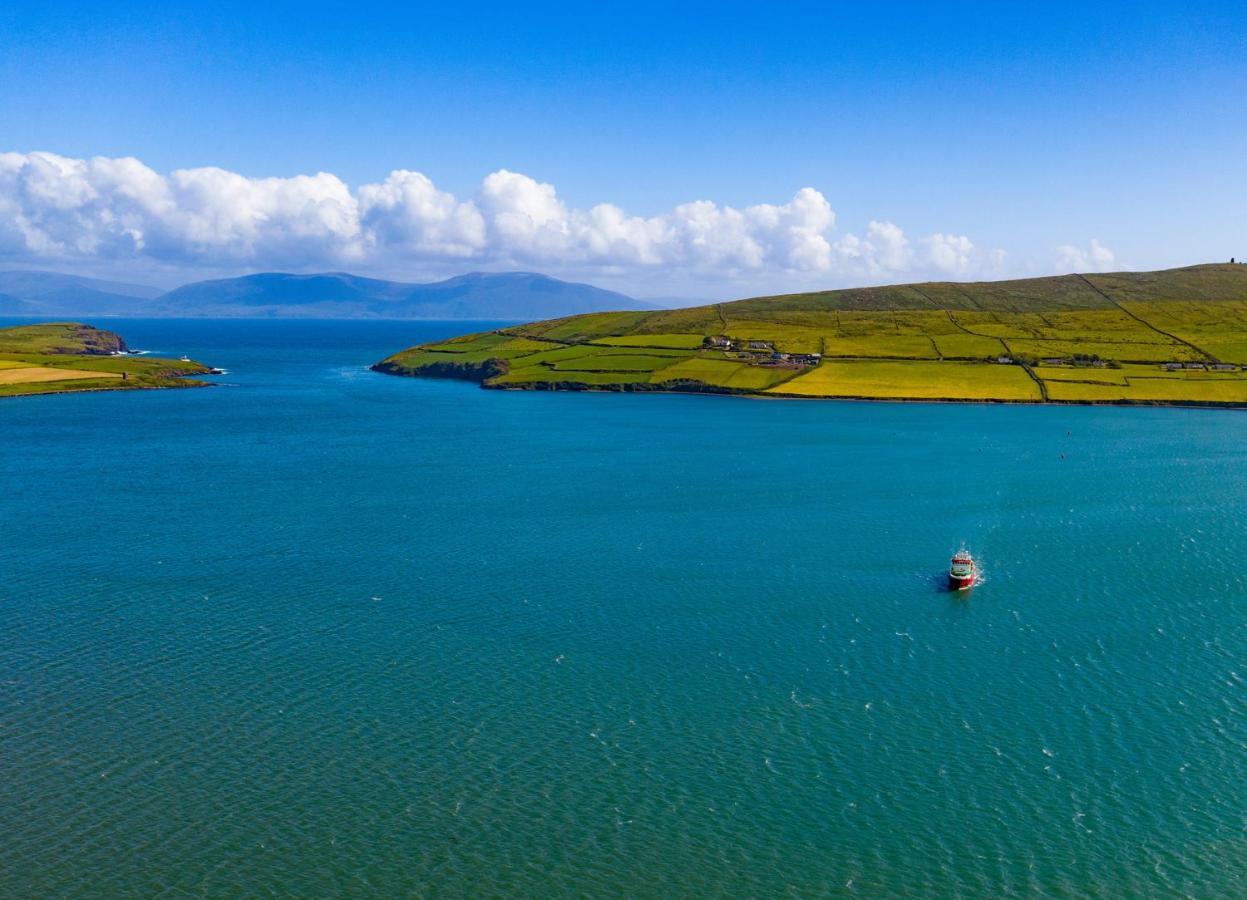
(793, 698)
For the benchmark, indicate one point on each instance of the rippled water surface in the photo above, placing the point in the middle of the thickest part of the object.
(319, 631)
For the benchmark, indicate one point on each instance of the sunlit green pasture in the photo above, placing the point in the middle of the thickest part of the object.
(724, 373)
(901, 345)
(1124, 352)
(1230, 350)
(584, 327)
(914, 380)
(1144, 384)
(543, 375)
(1083, 374)
(789, 338)
(1219, 329)
(967, 346)
(611, 362)
(671, 341)
(471, 343)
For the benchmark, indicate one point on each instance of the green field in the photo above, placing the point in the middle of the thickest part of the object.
(893, 380)
(1071, 338)
(1144, 384)
(66, 356)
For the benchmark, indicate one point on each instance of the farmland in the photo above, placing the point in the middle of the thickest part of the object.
(64, 356)
(893, 380)
(1176, 336)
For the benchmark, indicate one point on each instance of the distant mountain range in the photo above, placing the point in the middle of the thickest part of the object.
(479, 295)
(54, 294)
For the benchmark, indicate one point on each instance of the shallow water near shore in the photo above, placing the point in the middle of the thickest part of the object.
(319, 630)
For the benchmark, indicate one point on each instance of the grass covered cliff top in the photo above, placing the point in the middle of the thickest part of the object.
(59, 357)
(1173, 336)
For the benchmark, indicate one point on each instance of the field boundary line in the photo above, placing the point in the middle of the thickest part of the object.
(959, 326)
(1043, 388)
(1145, 323)
(925, 296)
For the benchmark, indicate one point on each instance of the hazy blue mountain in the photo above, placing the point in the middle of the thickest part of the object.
(480, 295)
(57, 294)
(507, 295)
(38, 284)
(514, 295)
(16, 306)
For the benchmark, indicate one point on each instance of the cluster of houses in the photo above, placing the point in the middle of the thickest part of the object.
(1101, 363)
(719, 342)
(1094, 362)
(796, 359)
(1062, 361)
(1200, 367)
(761, 353)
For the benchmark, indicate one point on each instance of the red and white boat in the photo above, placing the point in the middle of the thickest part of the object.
(963, 572)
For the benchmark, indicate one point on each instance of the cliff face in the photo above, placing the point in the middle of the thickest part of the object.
(96, 341)
(61, 338)
(465, 371)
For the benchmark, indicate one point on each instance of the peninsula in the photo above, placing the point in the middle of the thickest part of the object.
(1177, 336)
(60, 357)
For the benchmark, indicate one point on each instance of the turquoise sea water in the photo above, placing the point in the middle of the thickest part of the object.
(319, 631)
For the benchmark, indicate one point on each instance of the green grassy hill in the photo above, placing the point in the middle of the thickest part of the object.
(1175, 336)
(66, 356)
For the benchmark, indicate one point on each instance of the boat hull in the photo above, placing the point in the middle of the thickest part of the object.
(961, 582)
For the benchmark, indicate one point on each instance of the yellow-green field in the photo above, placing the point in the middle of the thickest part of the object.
(20, 374)
(1072, 338)
(66, 356)
(887, 379)
(1144, 384)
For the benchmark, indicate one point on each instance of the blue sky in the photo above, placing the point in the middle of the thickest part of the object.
(1023, 130)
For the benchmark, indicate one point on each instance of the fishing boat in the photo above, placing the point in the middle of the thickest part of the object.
(962, 572)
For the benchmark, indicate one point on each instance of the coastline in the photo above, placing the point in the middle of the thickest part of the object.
(720, 391)
(73, 358)
(1174, 337)
(109, 390)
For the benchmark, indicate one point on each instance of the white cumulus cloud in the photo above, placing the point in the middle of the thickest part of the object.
(953, 254)
(52, 207)
(58, 209)
(1093, 258)
(408, 214)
